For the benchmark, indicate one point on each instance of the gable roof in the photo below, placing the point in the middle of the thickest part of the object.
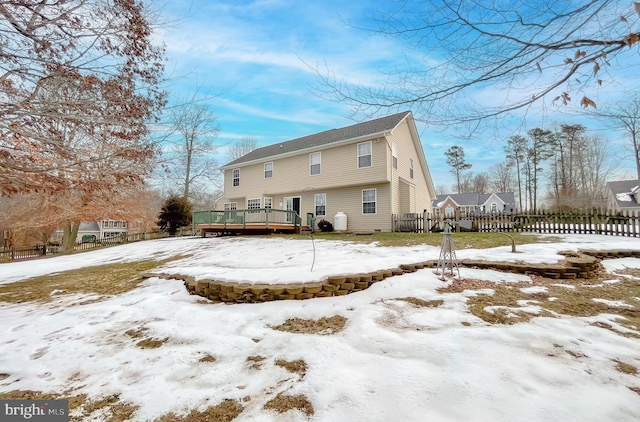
(621, 191)
(474, 198)
(372, 127)
(506, 197)
(462, 199)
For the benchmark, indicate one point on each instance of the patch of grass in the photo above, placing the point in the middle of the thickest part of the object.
(137, 333)
(422, 303)
(503, 307)
(207, 358)
(296, 366)
(103, 280)
(322, 326)
(151, 343)
(96, 405)
(226, 411)
(257, 361)
(626, 368)
(283, 403)
(461, 240)
(118, 411)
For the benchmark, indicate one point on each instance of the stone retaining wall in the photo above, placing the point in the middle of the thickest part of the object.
(584, 264)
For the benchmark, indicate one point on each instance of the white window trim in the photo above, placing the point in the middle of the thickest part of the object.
(267, 199)
(394, 156)
(233, 178)
(232, 206)
(411, 168)
(254, 199)
(375, 201)
(315, 203)
(265, 170)
(370, 154)
(319, 163)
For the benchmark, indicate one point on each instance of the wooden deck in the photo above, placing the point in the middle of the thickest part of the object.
(255, 221)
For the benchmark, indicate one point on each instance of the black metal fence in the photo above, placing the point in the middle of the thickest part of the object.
(624, 223)
(37, 251)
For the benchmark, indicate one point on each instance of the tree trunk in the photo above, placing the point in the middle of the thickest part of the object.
(69, 235)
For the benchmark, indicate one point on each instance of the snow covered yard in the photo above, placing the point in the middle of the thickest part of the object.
(491, 347)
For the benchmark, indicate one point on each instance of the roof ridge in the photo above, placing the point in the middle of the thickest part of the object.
(325, 137)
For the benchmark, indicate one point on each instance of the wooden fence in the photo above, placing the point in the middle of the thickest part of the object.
(625, 223)
(37, 251)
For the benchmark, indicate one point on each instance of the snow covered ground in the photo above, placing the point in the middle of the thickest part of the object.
(392, 361)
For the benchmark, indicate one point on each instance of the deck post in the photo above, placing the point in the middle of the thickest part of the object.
(266, 217)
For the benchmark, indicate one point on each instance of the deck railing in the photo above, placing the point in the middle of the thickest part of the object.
(246, 218)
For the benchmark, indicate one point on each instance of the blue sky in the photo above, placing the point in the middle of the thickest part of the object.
(252, 58)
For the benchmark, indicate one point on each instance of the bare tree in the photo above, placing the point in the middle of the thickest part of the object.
(501, 177)
(442, 189)
(241, 147)
(99, 56)
(565, 146)
(539, 149)
(515, 149)
(626, 117)
(522, 52)
(190, 160)
(455, 159)
(481, 183)
(594, 166)
(466, 183)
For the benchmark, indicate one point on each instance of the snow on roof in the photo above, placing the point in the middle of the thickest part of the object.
(625, 197)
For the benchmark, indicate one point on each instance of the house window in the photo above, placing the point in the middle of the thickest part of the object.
(411, 168)
(368, 201)
(230, 206)
(253, 204)
(236, 177)
(268, 202)
(449, 212)
(124, 224)
(268, 170)
(494, 207)
(314, 163)
(105, 224)
(321, 204)
(364, 154)
(394, 156)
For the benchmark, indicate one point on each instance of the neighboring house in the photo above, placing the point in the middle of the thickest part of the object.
(623, 195)
(97, 230)
(474, 204)
(368, 171)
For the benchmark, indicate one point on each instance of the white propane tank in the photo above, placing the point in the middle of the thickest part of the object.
(340, 221)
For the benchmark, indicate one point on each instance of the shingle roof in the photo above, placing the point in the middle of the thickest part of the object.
(474, 198)
(507, 197)
(89, 227)
(463, 199)
(371, 127)
(620, 187)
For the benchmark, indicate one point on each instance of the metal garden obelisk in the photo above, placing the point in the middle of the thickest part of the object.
(447, 258)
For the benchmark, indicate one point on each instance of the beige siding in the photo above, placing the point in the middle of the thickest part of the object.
(406, 149)
(339, 168)
(342, 181)
(349, 201)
